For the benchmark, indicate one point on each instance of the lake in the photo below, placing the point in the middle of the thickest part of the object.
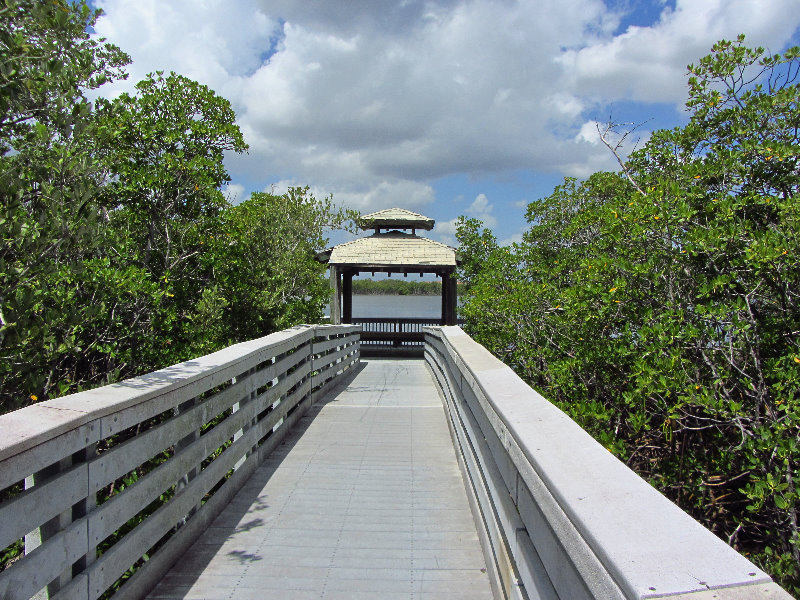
(421, 307)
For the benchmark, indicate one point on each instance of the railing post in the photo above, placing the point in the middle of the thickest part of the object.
(276, 401)
(449, 299)
(246, 399)
(185, 442)
(82, 509)
(51, 528)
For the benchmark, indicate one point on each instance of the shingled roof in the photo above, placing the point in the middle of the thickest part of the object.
(397, 218)
(391, 249)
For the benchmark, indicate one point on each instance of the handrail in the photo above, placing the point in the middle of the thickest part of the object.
(109, 486)
(561, 516)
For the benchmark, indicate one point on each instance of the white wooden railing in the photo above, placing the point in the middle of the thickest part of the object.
(105, 488)
(559, 516)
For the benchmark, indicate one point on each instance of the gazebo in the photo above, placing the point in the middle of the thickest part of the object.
(393, 247)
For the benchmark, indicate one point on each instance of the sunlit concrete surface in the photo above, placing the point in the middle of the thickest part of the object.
(365, 499)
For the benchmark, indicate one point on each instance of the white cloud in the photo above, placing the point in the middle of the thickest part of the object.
(512, 239)
(371, 100)
(589, 133)
(385, 194)
(234, 193)
(388, 194)
(482, 209)
(445, 232)
(216, 42)
(649, 63)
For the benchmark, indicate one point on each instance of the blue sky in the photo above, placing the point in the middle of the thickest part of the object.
(444, 107)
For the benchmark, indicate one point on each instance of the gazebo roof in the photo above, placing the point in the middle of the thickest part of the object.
(391, 249)
(397, 218)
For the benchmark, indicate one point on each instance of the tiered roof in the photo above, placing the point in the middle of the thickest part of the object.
(392, 249)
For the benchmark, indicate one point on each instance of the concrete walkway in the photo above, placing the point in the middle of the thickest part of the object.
(364, 500)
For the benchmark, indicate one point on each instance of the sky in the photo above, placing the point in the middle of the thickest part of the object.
(443, 107)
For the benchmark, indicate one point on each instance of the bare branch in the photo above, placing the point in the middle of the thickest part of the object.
(604, 137)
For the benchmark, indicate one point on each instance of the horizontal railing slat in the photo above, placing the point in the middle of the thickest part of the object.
(22, 432)
(133, 415)
(464, 443)
(324, 384)
(285, 406)
(77, 589)
(328, 345)
(379, 332)
(37, 505)
(328, 372)
(415, 321)
(112, 564)
(403, 336)
(118, 510)
(286, 383)
(201, 374)
(323, 362)
(153, 570)
(128, 455)
(26, 577)
(280, 367)
(114, 513)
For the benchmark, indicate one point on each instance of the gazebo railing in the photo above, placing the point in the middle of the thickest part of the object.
(395, 332)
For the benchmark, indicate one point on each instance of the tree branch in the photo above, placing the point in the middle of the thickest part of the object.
(604, 135)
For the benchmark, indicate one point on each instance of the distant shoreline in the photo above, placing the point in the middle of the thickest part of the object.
(395, 294)
(396, 287)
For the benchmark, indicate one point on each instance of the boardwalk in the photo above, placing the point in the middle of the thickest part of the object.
(364, 500)
(359, 496)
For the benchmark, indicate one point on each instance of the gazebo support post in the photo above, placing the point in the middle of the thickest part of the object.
(336, 311)
(347, 297)
(444, 297)
(452, 299)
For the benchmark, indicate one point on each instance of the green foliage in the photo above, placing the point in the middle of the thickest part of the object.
(265, 263)
(164, 151)
(46, 59)
(49, 237)
(662, 311)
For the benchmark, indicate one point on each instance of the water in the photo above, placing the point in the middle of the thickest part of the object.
(420, 307)
(404, 307)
